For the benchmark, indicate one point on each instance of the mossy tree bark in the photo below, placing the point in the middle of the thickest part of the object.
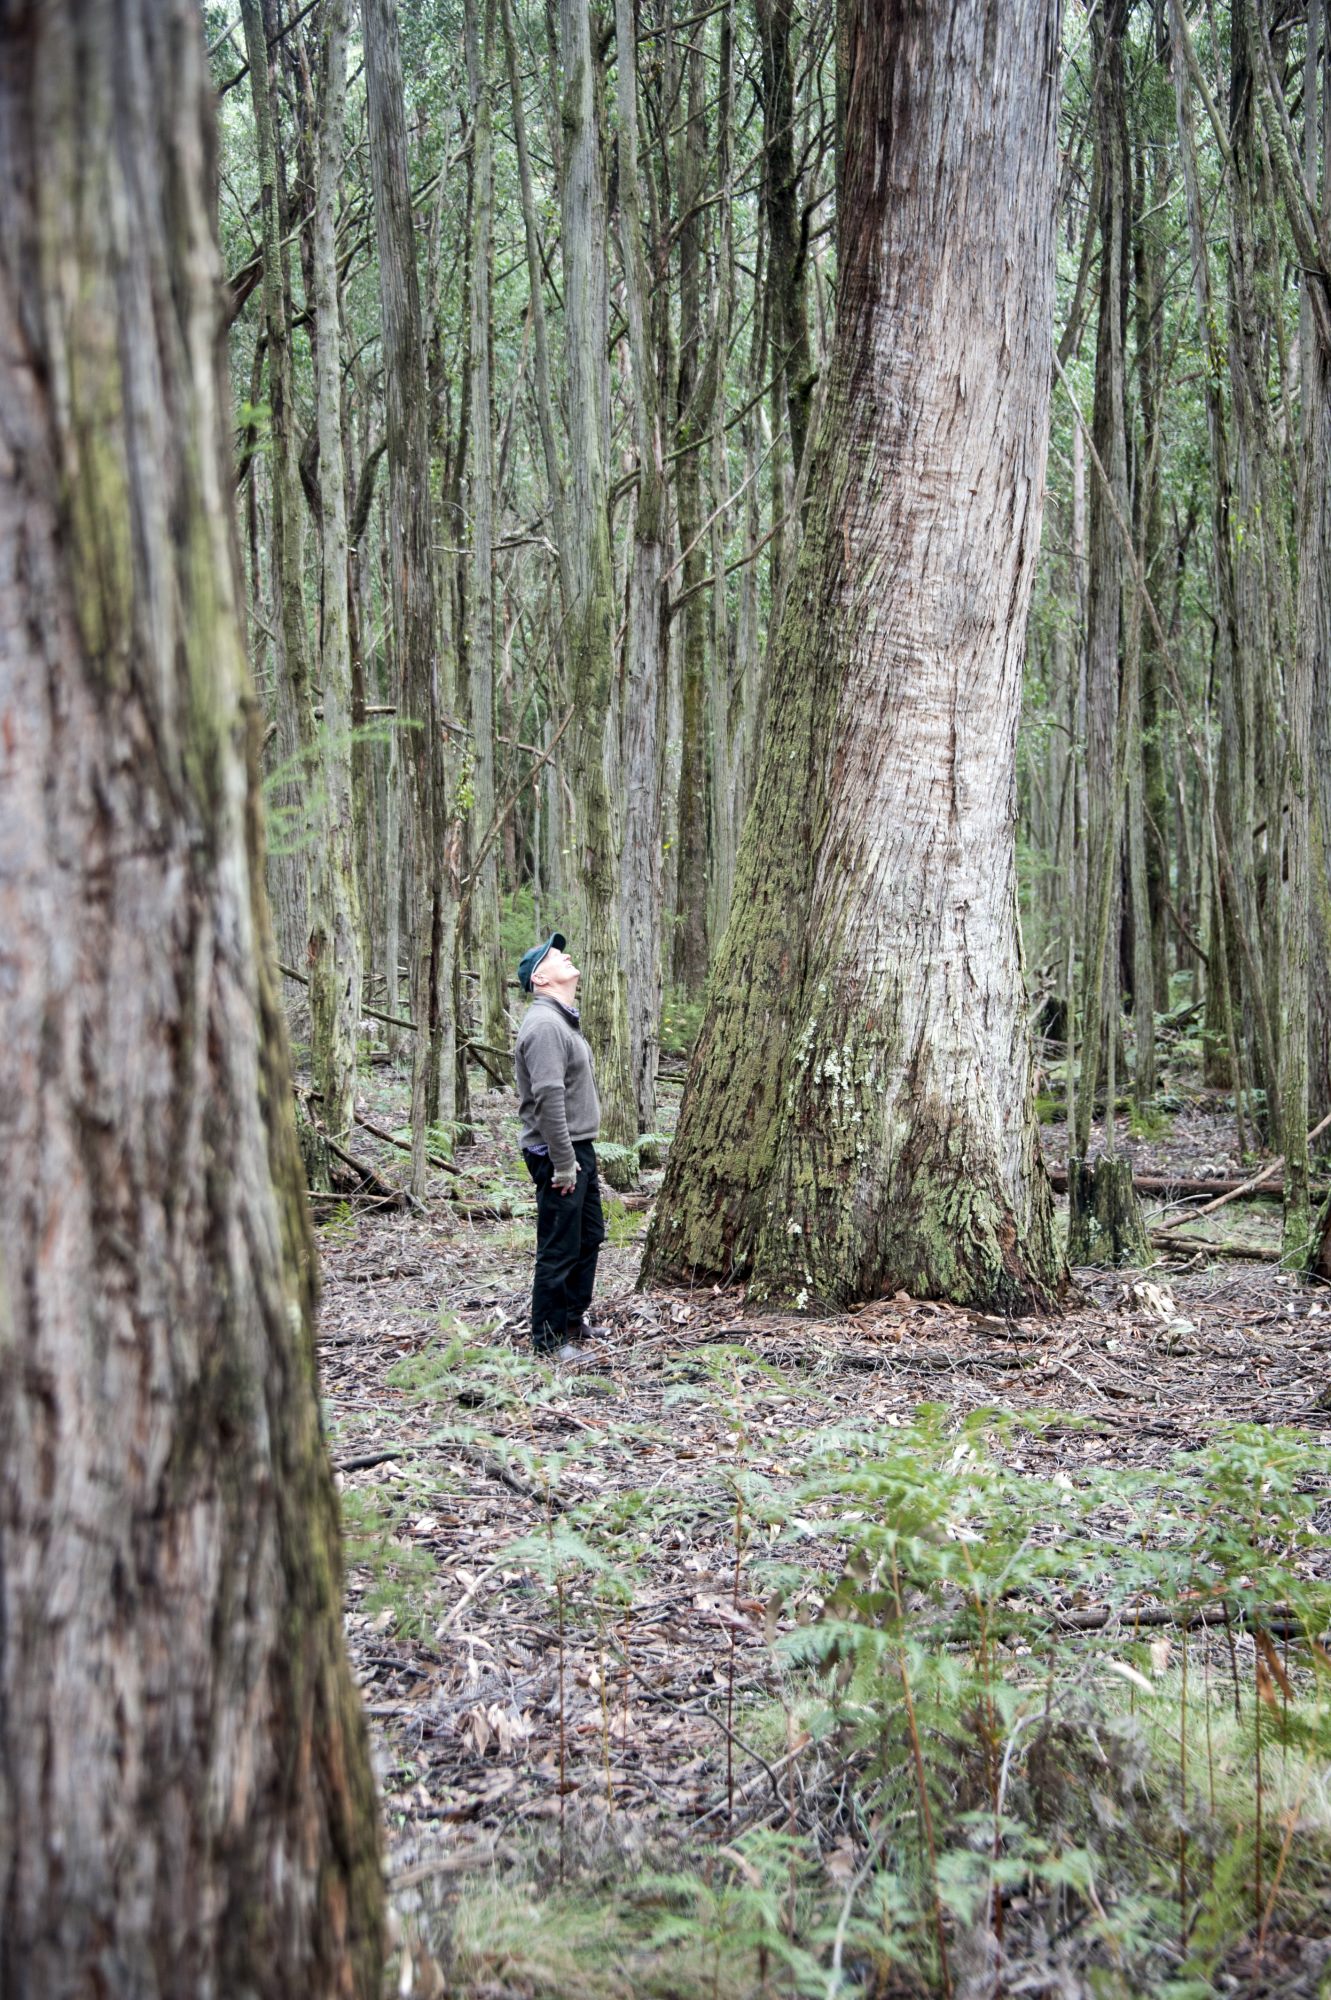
(859, 1115)
(186, 1803)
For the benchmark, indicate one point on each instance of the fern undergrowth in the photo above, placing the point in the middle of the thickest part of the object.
(1014, 1732)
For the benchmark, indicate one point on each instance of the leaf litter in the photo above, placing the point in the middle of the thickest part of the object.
(556, 1601)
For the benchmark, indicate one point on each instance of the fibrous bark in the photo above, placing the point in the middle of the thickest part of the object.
(858, 1115)
(186, 1805)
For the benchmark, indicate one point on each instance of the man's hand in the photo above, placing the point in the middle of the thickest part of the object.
(565, 1186)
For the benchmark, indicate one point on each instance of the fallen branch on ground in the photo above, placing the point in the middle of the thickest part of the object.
(484, 1461)
(1268, 1173)
(1182, 1184)
(370, 1178)
(404, 1145)
(374, 1013)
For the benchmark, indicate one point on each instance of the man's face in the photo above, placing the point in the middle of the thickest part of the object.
(555, 969)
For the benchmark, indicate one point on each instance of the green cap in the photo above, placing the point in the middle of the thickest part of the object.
(529, 961)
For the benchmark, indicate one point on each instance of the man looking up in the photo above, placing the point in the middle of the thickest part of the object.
(560, 1119)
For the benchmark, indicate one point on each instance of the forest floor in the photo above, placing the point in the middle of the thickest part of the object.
(624, 1744)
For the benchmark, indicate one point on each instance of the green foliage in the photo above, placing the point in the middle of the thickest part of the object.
(681, 1019)
(293, 787)
(1054, 1763)
(1149, 1121)
(518, 925)
(401, 1572)
(623, 1225)
(973, 1753)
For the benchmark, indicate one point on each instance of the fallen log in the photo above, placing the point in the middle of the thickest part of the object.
(1169, 1239)
(1178, 1184)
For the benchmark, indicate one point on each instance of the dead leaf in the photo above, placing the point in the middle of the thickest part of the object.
(1129, 1673)
(744, 1865)
(1274, 1662)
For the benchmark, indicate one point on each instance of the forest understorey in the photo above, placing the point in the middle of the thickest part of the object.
(586, 1602)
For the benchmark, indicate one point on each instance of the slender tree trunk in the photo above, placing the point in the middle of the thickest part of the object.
(1243, 747)
(293, 700)
(540, 340)
(727, 685)
(484, 894)
(1149, 269)
(787, 231)
(644, 678)
(1110, 505)
(590, 609)
(423, 701)
(186, 1803)
(692, 416)
(1304, 196)
(334, 955)
(859, 1115)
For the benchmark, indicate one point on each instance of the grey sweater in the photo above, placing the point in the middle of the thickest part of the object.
(556, 1089)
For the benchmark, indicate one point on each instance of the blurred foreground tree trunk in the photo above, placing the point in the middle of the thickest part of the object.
(186, 1805)
(859, 1114)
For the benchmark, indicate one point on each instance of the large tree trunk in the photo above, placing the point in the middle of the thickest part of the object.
(858, 1115)
(186, 1805)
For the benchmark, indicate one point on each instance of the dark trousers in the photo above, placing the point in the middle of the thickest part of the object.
(570, 1230)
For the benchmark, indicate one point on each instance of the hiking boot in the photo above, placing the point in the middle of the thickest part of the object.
(586, 1329)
